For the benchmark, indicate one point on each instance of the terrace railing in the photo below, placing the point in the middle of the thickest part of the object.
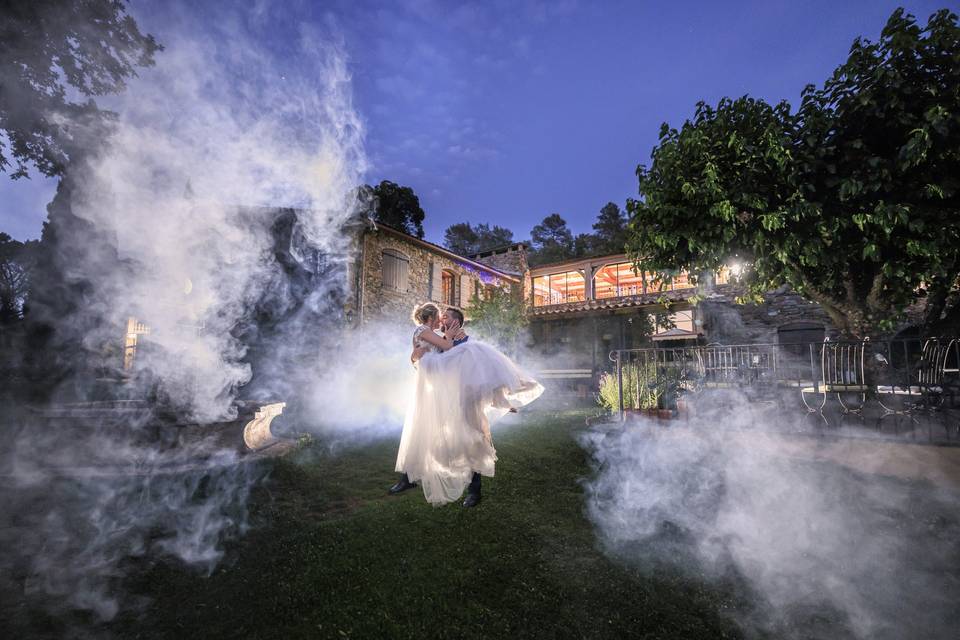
(904, 378)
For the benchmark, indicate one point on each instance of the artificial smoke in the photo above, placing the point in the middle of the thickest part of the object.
(812, 528)
(362, 392)
(182, 197)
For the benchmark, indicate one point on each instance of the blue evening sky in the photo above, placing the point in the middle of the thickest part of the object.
(507, 111)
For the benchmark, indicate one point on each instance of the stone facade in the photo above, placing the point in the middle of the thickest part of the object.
(427, 265)
(601, 325)
(511, 259)
(723, 320)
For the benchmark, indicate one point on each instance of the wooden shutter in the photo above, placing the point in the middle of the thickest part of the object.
(389, 270)
(403, 275)
(466, 290)
(396, 270)
(436, 282)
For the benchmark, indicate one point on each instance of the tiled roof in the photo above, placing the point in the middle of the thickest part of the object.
(446, 252)
(613, 303)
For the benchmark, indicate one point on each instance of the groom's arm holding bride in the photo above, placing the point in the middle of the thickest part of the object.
(444, 343)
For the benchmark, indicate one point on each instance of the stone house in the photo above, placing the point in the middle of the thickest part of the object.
(582, 309)
(392, 271)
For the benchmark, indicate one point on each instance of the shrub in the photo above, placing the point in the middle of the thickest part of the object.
(640, 389)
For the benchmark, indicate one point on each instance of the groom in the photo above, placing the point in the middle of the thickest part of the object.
(451, 322)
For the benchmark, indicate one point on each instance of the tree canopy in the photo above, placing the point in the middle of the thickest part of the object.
(395, 206)
(16, 260)
(499, 317)
(852, 200)
(551, 240)
(610, 230)
(50, 49)
(465, 239)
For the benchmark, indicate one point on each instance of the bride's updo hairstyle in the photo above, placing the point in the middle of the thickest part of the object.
(424, 313)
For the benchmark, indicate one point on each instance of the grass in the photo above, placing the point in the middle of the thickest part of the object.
(332, 556)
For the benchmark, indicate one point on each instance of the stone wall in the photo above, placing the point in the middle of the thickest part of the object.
(424, 282)
(726, 321)
(511, 260)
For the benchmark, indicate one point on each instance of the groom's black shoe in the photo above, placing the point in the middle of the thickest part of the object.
(402, 485)
(473, 492)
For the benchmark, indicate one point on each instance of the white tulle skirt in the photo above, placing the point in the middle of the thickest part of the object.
(446, 434)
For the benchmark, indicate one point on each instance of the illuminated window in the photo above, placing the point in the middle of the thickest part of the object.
(682, 281)
(135, 328)
(559, 288)
(620, 280)
(396, 270)
(617, 281)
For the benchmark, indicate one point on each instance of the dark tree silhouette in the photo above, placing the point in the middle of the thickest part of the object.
(460, 238)
(551, 241)
(610, 230)
(16, 259)
(50, 49)
(467, 240)
(395, 206)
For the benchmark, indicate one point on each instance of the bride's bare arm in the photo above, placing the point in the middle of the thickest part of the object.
(441, 342)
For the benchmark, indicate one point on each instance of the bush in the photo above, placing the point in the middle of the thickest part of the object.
(640, 389)
(499, 318)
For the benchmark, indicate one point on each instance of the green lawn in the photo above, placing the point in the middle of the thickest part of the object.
(331, 555)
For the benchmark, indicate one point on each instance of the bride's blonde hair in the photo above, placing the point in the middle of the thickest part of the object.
(424, 313)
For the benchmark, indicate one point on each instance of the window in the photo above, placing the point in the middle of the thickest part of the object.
(559, 288)
(448, 289)
(396, 269)
(620, 280)
(616, 281)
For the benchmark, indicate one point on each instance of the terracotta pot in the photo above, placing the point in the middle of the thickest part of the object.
(665, 414)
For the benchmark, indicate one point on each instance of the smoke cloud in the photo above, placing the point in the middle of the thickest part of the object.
(823, 544)
(183, 196)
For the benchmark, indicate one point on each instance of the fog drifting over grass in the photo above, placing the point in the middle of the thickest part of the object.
(810, 539)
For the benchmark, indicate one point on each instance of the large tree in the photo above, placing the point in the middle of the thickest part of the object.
(551, 241)
(16, 260)
(465, 239)
(395, 206)
(852, 200)
(460, 238)
(610, 230)
(54, 56)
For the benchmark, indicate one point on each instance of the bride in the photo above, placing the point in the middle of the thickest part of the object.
(461, 385)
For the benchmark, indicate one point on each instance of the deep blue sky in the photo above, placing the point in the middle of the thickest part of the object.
(507, 111)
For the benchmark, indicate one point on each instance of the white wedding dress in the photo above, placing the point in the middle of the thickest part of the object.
(457, 394)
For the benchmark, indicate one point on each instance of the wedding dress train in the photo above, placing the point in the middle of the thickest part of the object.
(446, 433)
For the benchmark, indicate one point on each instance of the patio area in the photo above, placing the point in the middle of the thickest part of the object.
(901, 389)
